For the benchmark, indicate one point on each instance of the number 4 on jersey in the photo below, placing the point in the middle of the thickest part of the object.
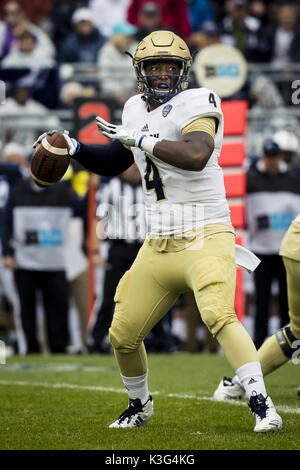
(212, 99)
(153, 180)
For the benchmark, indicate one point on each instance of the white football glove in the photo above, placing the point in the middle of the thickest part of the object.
(128, 137)
(73, 144)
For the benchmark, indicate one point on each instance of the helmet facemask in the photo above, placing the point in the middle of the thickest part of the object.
(163, 91)
(162, 46)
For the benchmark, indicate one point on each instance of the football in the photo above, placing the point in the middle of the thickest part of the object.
(50, 160)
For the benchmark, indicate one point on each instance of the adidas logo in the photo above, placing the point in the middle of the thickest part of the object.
(145, 128)
(252, 381)
(227, 381)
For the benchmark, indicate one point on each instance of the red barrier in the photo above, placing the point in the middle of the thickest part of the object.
(232, 158)
(235, 117)
(235, 184)
(232, 154)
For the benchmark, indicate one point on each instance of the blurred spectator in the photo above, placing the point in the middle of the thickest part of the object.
(13, 154)
(270, 180)
(107, 13)
(35, 10)
(76, 259)
(84, 43)
(13, 169)
(259, 9)
(243, 31)
(268, 112)
(34, 245)
(115, 71)
(61, 19)
(208, 34)
(27, 53)
(15, 23)
(286, 36)
(199, 12)
(265, 94)
(149, 20)
(288, 143)
(122, 222)
(175, 15)
(211, 32)
(22, 117)
(72, 90)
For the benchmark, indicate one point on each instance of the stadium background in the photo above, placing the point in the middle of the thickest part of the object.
(261, 102)
(67, 401)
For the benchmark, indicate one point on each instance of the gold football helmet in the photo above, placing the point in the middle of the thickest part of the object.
(162, 45)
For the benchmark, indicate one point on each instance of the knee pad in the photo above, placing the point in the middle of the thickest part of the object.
(112, 338)
(285, 339)
(121, 340)
(215, 321)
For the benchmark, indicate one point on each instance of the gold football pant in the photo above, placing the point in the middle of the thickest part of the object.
(293, 285)
(271, 354)
(156, 279)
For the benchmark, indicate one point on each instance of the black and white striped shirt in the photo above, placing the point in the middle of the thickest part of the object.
(121, 210)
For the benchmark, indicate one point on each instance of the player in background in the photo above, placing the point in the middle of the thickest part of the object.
(285, 344)
(175, 137)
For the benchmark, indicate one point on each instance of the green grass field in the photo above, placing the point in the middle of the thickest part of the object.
(67, 402)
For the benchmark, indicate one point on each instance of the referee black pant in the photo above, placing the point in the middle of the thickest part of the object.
(271, 267)
(55, 295)
(121, 255)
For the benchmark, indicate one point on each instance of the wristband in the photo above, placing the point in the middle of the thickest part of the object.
(77, 146)
(147, 144)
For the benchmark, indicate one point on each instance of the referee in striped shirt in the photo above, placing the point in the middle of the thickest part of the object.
(122, 222)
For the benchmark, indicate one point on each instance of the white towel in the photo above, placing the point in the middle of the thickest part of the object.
(246, 259)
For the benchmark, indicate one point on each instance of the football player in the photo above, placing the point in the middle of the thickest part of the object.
(285, 344)
(174, 135)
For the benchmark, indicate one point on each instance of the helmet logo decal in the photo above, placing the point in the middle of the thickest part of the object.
(166, 110)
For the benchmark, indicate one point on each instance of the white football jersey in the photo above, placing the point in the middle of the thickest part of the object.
(179, 200)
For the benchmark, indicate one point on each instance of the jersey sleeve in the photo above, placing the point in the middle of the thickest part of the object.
(199, 103)
(203, 124)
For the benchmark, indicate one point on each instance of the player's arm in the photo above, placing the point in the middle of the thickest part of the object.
(192, 152)
(105, 160)
(195, 148)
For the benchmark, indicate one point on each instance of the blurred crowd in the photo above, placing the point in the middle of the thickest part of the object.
(48, 35)
(56, 54)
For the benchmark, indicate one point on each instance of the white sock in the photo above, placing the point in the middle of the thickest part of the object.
(137, 387)
(251, 378)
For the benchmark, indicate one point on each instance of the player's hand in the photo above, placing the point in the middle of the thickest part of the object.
(73, 144)
(129, 137)
(9, 262)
